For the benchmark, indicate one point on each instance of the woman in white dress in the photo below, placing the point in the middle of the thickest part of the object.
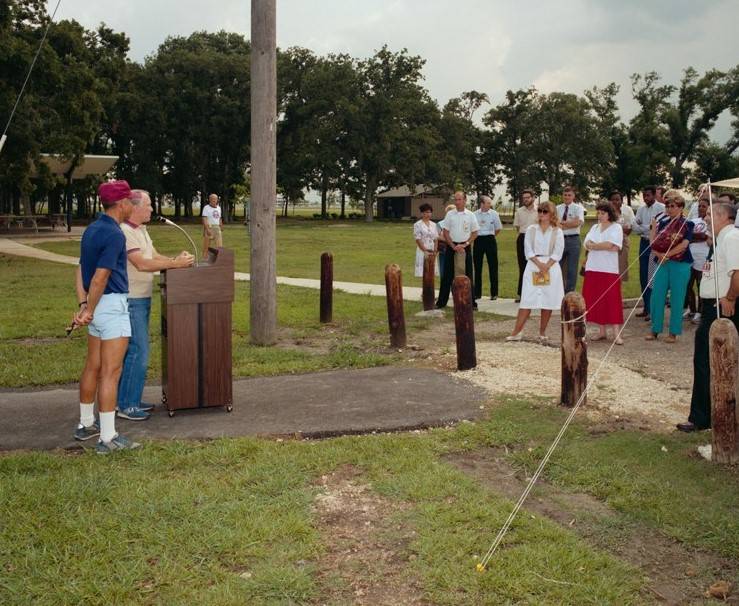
(426, 235)
(542, 286)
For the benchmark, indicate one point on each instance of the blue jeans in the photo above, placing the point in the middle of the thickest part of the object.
(673, 276)
(644, 271)
(570, 262)
(136, 362)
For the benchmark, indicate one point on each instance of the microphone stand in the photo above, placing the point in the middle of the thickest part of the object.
(173, 224)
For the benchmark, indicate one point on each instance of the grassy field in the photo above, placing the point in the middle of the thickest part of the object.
(361, 251)
(39, 300)
(236, 522)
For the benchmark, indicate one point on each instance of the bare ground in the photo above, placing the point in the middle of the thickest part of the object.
(367, 559)
(675, 574)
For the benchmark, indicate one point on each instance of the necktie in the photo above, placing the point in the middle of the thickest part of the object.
(564, 216)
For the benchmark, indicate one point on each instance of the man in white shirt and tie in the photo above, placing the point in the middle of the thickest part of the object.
(460, 231)
(486, 245)
(571, 217)
(644, 217)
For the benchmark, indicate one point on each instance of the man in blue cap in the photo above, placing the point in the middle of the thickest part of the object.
(102, 294)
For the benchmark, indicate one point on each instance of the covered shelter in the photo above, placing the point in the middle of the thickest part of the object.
(402, 203)
(75, 169)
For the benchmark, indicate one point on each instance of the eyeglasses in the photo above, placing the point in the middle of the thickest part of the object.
(542, 211)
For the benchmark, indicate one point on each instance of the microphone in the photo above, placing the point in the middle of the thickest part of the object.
(173, 224)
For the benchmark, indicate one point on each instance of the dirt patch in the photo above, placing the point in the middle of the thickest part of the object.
(367, 558)
(617, 393)
(674, 573)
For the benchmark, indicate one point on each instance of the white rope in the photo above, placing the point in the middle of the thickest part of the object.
(4, 136)
(512, 516)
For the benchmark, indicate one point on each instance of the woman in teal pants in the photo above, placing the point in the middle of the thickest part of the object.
(670, 239)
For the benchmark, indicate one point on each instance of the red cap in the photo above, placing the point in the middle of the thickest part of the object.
(112, 192)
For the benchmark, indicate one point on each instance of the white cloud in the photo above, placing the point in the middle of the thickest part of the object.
(490, 46)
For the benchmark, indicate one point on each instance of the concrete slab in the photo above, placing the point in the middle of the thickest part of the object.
(311, 405)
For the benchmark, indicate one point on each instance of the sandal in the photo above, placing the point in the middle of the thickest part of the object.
(598, 337)
(670, 339)
(618, 341)
(651, 337)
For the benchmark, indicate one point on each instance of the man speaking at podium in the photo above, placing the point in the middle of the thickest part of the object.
(143, 261)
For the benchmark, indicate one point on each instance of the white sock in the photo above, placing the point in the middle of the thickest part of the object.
(107, 426)
(87, 414)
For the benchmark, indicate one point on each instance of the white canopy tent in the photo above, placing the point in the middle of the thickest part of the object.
(732, 183)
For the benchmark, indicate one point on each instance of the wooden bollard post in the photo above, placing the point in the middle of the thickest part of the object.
(574, 350)
(723, 340)
(464, 323)
(429, 272)
(395, 316)
(327, 287)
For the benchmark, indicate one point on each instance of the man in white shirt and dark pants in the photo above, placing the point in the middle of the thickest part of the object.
(460, 231)
(723, 263)
(571, 217)
(644, 217)
(486, 245)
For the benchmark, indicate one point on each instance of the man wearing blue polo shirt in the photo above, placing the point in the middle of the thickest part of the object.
(102, 293)
(486, 245)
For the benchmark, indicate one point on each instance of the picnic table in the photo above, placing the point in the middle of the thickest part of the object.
(52, 220)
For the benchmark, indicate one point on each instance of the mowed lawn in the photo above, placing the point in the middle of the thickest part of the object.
(361, 250)
(237, 521)
(39, 301)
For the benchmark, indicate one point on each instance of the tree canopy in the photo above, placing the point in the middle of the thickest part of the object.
(180, 122)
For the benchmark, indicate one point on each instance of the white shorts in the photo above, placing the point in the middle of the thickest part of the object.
(111, 319)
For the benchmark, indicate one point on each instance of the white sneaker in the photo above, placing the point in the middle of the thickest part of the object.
(517, 337)
(696, 319)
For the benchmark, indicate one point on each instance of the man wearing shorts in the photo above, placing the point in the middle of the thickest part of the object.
(102, 294)
(212, 221)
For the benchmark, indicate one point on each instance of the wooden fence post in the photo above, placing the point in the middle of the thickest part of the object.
(464, 323)
(723, 339)
(395, 316)
(429, 271)
(327, 287)
(574, 350)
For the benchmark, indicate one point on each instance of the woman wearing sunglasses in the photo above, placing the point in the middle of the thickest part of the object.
(670, 239)
(542, 287)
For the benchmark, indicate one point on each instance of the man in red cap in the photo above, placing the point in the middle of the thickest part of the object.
(102, 293)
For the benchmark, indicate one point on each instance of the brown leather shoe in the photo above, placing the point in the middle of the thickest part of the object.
(651, 337)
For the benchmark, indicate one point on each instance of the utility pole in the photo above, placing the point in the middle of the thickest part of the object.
(263, 171)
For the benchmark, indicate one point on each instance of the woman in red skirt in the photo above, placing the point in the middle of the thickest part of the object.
(602, 285)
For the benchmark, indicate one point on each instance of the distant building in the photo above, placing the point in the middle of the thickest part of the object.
(401, 203)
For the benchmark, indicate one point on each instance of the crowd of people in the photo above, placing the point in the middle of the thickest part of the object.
(678, 264)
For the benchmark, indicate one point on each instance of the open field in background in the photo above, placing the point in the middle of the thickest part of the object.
(39, 300)
(374, 519)
(361, 251)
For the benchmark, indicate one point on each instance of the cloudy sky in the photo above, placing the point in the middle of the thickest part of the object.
(486, 45)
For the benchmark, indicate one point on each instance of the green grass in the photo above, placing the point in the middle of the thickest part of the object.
(361, 251)
(39, 301)
(181, 522)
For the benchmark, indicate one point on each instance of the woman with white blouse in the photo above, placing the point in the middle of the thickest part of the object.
(426, 235)
(542, 286)
(601, 288)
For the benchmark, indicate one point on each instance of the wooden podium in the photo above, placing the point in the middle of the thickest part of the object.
(196, 334)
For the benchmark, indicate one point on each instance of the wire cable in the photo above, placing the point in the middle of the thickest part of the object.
(4, 136)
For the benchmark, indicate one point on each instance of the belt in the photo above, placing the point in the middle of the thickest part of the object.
(572, 235)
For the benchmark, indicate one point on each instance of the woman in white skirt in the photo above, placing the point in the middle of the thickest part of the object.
(542, 286)
(426, 235)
